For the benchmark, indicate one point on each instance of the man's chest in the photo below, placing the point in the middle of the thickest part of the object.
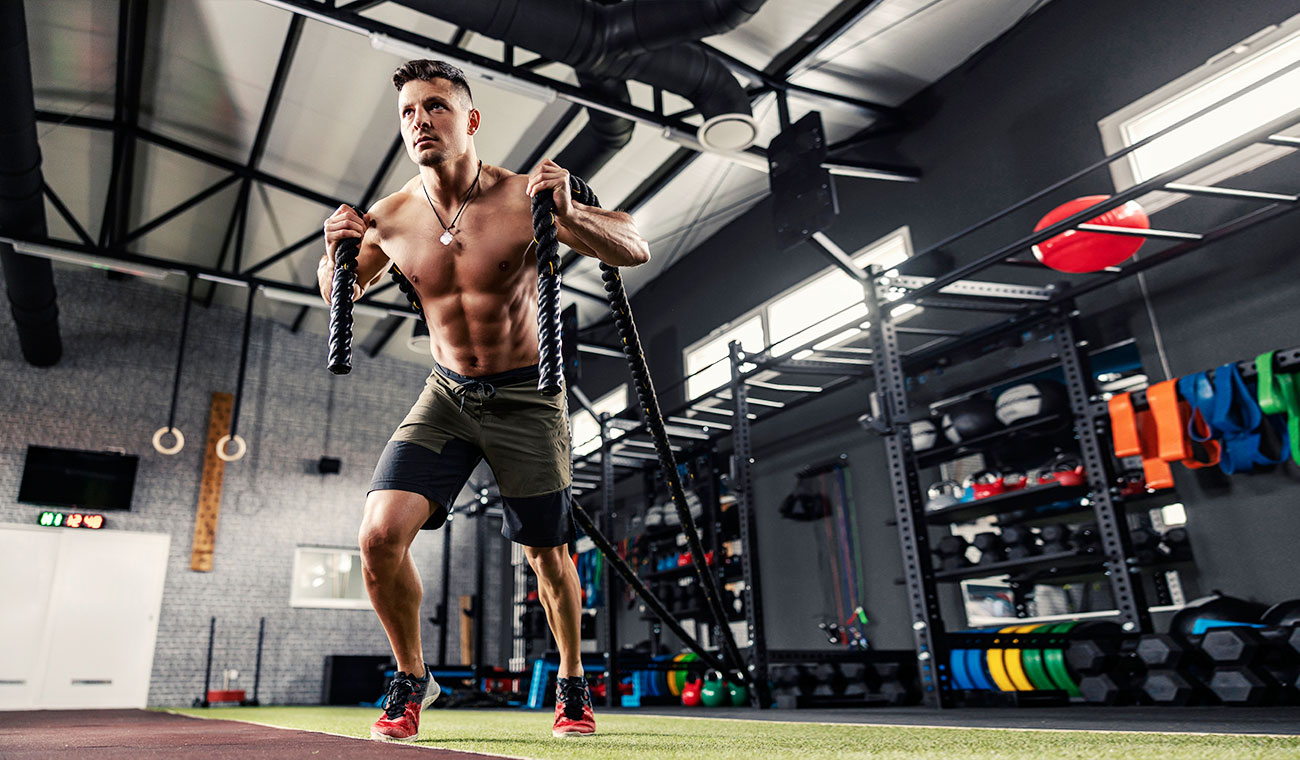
(487, 250)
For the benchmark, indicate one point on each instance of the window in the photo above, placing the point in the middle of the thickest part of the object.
(811, 309)
(709, 358)
(324, 577)
(1246, 63)
(585, 430)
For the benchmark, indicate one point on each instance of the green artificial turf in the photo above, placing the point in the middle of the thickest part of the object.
(527, 734)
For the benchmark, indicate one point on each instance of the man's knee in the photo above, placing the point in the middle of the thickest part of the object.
(550, 564)
(392, 518)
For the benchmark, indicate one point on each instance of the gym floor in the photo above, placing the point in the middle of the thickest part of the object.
(339, 732)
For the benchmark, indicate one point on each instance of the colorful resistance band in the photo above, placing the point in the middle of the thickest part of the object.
(1174, 419)
(1280, 394)
(1134, 435)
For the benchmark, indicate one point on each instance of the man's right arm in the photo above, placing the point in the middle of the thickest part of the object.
(372, 262)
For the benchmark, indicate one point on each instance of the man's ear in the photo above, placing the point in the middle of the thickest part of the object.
(473, 120)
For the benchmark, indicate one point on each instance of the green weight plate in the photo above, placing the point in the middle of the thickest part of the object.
(1032, 660)
(1054, 661)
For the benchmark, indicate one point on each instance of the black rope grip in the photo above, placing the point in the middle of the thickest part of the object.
(550, 381)
(345, 278)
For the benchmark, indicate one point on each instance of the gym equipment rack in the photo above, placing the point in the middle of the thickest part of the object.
(788, 382)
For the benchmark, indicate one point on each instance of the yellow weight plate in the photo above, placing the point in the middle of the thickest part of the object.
(998, 668)
(677, 678)
(1013, 664)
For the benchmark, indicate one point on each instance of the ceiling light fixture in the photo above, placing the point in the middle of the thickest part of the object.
(95, 261)
(307, 299)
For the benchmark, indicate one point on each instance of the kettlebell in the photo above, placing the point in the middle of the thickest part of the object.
(714, 692)
(691, 694)
(739, 695)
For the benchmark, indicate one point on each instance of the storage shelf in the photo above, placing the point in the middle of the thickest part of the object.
(678, 572)
(1026, 498)
(1068, 560)
(952, 451)
(1062, 566)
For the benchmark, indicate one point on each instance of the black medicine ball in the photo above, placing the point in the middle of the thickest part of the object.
(969, 419)
(1031, 400)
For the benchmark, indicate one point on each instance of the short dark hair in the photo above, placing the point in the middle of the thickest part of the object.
(427, 71)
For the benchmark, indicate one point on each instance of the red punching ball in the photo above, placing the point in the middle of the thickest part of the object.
(1077, 251)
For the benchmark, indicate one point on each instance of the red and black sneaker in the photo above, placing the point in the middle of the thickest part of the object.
(406, 696)
(573, 715)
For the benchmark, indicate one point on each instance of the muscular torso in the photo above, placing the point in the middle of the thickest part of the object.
(479, 293)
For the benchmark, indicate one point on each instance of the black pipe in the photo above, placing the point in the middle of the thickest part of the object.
(443, 616)
(207, 674)
(604, 134)
(257, 669)
(480, 602)
(29, 280)
(604, 40)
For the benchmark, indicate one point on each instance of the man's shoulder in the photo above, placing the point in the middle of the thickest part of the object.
(393, 201)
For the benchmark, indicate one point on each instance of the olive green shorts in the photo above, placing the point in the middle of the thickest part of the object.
(458, 421)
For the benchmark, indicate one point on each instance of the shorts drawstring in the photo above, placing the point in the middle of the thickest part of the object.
(485, 390)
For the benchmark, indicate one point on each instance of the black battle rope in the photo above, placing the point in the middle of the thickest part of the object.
(345, 277)
(548, 336)
(345, 280)
(589, 527)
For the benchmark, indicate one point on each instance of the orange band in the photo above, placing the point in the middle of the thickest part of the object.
(1171, 416)
(1134, 435)
(1123, 426)
(1157, 471)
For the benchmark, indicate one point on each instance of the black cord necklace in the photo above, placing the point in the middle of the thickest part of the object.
(447, 230)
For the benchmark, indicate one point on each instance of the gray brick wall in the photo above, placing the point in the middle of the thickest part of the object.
(112, 390)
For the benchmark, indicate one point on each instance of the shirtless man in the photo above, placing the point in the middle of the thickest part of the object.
(461, 231)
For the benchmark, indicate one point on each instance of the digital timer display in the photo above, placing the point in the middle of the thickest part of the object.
(71, 520)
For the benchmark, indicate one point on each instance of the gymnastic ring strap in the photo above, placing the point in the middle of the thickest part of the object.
(168, 450)
(241, 447)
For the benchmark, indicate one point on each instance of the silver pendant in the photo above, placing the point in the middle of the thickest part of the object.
(446, 238)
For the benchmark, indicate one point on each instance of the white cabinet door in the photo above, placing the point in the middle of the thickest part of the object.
(103, 619)
(27, 562)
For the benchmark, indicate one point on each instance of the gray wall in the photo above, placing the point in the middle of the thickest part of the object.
(112, 390)
(1017, 118)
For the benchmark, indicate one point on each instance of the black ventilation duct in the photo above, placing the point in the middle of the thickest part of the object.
(29, 281)
(604, 134)
(651, 41)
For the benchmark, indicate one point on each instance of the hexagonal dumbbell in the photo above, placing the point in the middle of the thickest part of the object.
(1245, 646)
(1056, 538)
(951, 551)
(1245, 685)
(991, 547)
(1161, 651)
(1118, 688)
(1173, 687)
(1020, 542)
(1092, 656)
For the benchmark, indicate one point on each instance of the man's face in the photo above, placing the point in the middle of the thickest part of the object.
(437, 122)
